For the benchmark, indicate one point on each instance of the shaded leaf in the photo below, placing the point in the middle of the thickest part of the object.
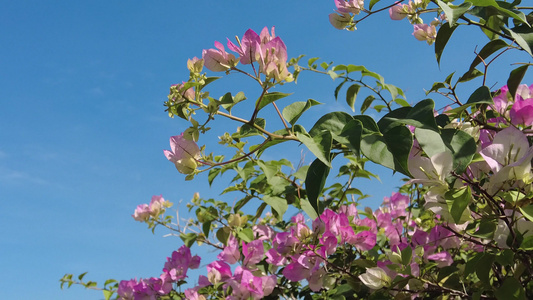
(462, 145)
(515, 78)
(511, 289)
(443, 36)
(314, 183)
(480, 95)
(458, 202)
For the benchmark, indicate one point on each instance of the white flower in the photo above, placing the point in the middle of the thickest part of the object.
(375, 278)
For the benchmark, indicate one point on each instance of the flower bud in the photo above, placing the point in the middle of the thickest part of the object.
(195, 65)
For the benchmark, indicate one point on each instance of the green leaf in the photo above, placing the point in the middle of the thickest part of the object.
(314, 183)
(430, 141)
(523, 36)
(294, 111)
(366, 104)
(458, 201)
(485, 230)
(277, 203)
(515, 78)
(462, 145)
(222, 235)
(333, 122)
(227, 101)
(421, 116)
(206, 228)
(527, 212)
(484, 267)
(454, 12)
(208, 80)
(372, 3)
(188, 238)
(108, 294)
(80, 277)
(351, 135)
(319, 145)
(247, 130)
(443, 35)
(246, 234)
(351, 94)
(311, 61)
(109, 281)
(338, 88)
(511, 289)
(480, 95)
(390, 149)
(269, 98)
(369, 125)
(213, 173)
(308, 209)
(527, 243)
(399, 142)
(407, 254)
(470, 75)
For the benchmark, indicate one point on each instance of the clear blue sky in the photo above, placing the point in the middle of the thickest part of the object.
(82, 126)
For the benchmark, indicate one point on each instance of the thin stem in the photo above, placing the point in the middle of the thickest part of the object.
(281, 117)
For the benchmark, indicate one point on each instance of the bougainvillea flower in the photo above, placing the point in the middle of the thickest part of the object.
(249, 48)
(375, 278)
(218, 60)
(231, 253)
(522, 112)
(183, 154)
(425, 32)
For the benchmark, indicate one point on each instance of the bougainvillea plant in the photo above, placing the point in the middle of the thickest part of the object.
(461, 226)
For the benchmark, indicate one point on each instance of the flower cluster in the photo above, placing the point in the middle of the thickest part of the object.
(342, 18)
(265, 48)
(175, 269)
(521, 112)
(156, 207)
(422, 32)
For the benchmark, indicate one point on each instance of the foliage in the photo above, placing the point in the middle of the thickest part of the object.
(460, 227)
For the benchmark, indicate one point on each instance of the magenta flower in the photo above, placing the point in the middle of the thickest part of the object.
(522, 112)
(253, 252)
(364, 240)
(502, 100)
(180, 261)
(218, 271)
(249, 49)
(183, 154)
(231, 253)
(443, 259)
(218, 60)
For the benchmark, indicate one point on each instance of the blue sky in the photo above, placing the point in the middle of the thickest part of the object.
(82, 126)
